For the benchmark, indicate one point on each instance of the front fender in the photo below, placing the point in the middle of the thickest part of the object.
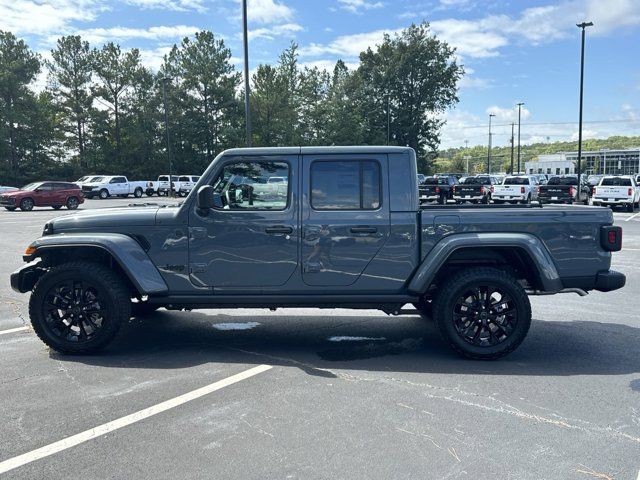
(546, 269)
(128, 253)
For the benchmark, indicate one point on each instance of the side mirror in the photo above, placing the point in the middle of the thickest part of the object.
(207, 199)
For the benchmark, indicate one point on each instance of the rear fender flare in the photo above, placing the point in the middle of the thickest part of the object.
(547, 273)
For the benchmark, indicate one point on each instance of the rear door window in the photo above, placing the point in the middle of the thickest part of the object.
(345, 185)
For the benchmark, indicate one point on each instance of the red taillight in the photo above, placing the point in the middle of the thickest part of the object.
(594, 190)
(538, 189)
(611, 239)
(482, 190)
(454, 189)
(630, 192)
(437, 189)
(521, 189)
(572, 191)
(491, 188)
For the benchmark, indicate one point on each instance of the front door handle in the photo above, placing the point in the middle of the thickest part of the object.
(279, 229)
(363, 229)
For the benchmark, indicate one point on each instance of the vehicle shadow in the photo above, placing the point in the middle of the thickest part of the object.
(320, 344)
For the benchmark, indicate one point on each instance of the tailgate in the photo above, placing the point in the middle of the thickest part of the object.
(555, 191)
(470, 190)
(613, 192)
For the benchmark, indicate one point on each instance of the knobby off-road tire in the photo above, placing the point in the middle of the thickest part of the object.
(482, 313)
(78, 307)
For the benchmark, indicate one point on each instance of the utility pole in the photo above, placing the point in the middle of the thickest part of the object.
(388, 118)
(583, 26)
(166, 129)
(512, 145)
(519, 157)
(247, 91)
(489, 151)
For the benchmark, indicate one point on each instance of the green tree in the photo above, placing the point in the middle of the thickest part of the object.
(19, 66)
(405, 83)
(70, 70)
(116, 71)
(268, 105)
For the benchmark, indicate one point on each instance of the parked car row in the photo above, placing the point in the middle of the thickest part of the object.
(182, 185)
(612, 190)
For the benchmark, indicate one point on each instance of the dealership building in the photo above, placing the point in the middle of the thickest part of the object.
(604, 161)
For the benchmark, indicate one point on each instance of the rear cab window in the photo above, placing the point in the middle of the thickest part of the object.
(616, 182)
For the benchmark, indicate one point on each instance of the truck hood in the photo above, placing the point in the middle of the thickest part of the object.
(106, 217)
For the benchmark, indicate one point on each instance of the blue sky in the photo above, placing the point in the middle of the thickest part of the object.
(513, 51)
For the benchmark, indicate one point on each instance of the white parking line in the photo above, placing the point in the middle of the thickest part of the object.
(13, 330)
(631, 217)
(105, 428)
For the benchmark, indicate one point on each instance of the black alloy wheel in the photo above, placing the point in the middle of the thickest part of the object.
(78, 307)
(483, 313)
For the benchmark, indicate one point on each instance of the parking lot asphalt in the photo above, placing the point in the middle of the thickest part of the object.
(350, 394)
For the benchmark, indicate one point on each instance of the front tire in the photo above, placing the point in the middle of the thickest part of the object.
(78, 307)
(104, 194)
(26, 205)
(482, 313)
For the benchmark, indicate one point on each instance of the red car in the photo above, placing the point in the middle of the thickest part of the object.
(43, 194)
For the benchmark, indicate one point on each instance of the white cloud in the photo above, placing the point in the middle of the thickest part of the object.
(268, 11)
(175, 5)
(116, 34)
(274, 31)
(357, 6)
(153, 58)
(348, 46)
(470, 38)
(586, 133)
(24, 17)
(508, 114)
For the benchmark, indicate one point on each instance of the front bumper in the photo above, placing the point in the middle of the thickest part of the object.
(7, 202)
(24, 279)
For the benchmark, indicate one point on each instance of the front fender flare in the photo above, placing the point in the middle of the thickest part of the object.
(532, 245)
(123, 249)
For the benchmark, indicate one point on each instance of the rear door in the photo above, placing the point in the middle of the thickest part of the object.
(43, 195)
(345, 220)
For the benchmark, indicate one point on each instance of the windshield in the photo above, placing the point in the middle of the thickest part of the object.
(563, 181)
(616, 182)
(31, 186)
(516, 181)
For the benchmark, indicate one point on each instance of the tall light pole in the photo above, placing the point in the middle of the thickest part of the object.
(519, 156)
(489, 151)
(512, 145)
(166, 129)
(247, 92)
(583, 26)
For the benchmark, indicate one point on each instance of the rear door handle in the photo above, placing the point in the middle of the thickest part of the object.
(363, 229)
(279, 229)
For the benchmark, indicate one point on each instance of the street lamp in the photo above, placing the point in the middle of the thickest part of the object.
(489, 151)
(512, 145)
(583, 26)
(519, 108)
(247, 111)
(164, 81)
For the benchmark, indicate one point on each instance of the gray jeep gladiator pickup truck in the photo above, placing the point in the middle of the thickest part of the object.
(341, 228)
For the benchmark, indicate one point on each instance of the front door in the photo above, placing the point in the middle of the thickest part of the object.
(345, 221)
(252, 241)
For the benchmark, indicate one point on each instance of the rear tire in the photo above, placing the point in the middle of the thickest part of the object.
(72, 203)
(482, 313)
(630, 207)
(78, 307)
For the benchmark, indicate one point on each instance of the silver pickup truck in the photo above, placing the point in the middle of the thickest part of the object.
(344, 229)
